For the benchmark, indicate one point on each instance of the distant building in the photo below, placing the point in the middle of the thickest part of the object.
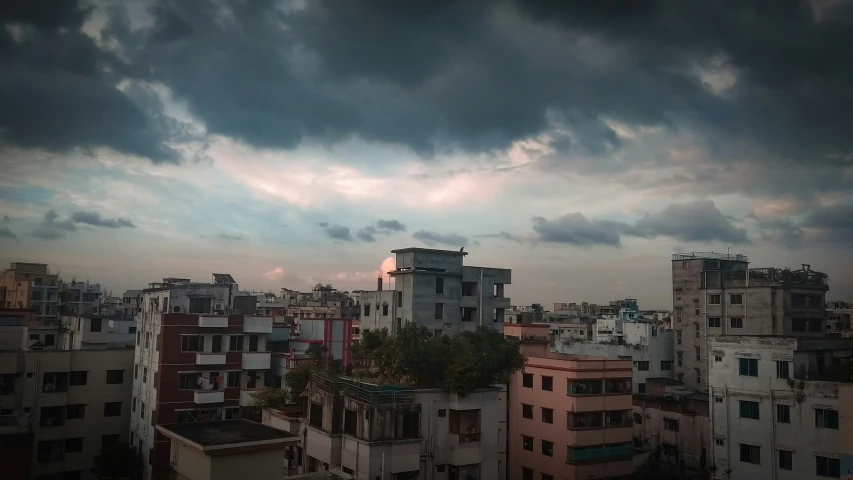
(775, 405)
(717, 294)
(30, 285)
(569, 415)
(195, 360)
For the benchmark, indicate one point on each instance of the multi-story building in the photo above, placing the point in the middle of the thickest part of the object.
(433, 288)
(68, 403)
(82, 298)
(569, 415)
(845, 414)
(194, 360)
(775, 405)
(31, 285)
(648, 346)
(404, 433)
(838, 316)
(717, 294)
(673, 423)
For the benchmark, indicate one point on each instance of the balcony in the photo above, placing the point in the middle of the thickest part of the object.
(256, 360)
(210, 358)
(502, 302)
(257, 324)
(246, 398)
(213, 321)
(599, 453)
(208, 396)
(468, 302)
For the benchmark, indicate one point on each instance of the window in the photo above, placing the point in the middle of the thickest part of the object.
(442, 412)
(233, 380)
(748, 367)
(783, 414)
(718, 358)
(547, 415)
(133, 405)
(547, 383)
(678, 336)
(698, 354)
(147, 340)
(642, 366)
(638, 419)
(439, 285)
(217, 344)
(73, 444)
(736, 322)
(698, 331)
(135, 371)
(527, 443)
(680, 356)
(192, 343)
(526, 410)
(714, 299)
(782, 369)
(669, 450)
(115, 377)
(826, 418)
(142, 410)
(714, 322)
(526, 473)
(144, 374)
(718, 399)
(55, 382)
(698, 375)
(439, 311)
(385, 309)
(750, 454)
(200, 305)
(131, 329)
(749, 409)
(73, 412)
(366, 309)
(786, 460)
(78, 378)
(547, 448)
(719, 442)
(827, 467)
(95, 325)
(527, 380)
(109, 440)
(49, 340)
(188, 381)
(670, 424)
(666, 365)
(235, 343)
(253, 343)
(112, 409)
(138, 337)
(641, 388)
(736, 299)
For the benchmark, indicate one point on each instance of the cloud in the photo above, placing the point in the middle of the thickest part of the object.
(503, 235)
(781, 230)
(322, 224)
(51, 229)
(6, 233)
(276, 274)
(698, 221)
(229, 237)
(435, 238)
(832, 223)
(95, 219)
(382, 227)
(338, 232)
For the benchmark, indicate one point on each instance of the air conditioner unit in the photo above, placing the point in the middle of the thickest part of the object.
(176, 309)
(218, 306)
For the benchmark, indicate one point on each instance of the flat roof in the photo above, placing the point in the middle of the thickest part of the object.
(222, 435)
(429, 250)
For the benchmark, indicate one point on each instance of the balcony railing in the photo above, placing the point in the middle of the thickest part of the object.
(210, 358)
(213, 321)
(208, 396)
(469, 437)
(599, 453)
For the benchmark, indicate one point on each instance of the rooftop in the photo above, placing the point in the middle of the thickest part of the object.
(429, 250)
(222, 434)
(731, 257)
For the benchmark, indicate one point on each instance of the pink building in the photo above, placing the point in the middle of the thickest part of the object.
(569, 415)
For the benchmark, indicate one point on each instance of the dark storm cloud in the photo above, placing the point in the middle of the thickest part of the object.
(337, 232)
(502, 235)
(58, 89)
(435, 238)
(382, 227)
(390, 226)
(96, 220)
(698, 221)
(6, 233)
(53, 229)
(832, 223)
(782, 231)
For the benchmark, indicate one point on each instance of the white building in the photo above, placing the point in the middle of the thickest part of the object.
(74, 401)
(645, 343)
(81, 298)
(771, 415)
(433, 288)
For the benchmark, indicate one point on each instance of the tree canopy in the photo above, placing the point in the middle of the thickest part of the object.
(461, 363)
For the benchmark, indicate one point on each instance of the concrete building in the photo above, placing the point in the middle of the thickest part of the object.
(68, 403)
(845, 414)
(569, 415)
(649, 347)
(674, 424)
(717, 294)
(393, 432)
(81, 298)
(838, 317)
(775, 406)
(30, 285)
(433, 288)
(194, 360)
(226, 450)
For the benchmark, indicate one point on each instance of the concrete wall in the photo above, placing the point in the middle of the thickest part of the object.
(263, 464)
(693, 439)
(845, 413)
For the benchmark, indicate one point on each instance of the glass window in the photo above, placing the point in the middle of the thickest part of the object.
(547, 448)
(736, 322)
(714, 299)
(670, 424)
(192, 343)
(786, 460)
(783, 414)
(526, 411)
(826, 418)
(748, 367)
(439, 311)
(439, 285)
(527, 443)
(643, 366)
(547, 383)
(749, 409)
(115, 377)
(714, 322)
(547, 415)
(527, 380)
(782, 370)
(78, 377)
(827, 467)
(112, 409)
(736, 299)
(750, 454)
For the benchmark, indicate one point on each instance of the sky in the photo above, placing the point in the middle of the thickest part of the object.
(580, 144)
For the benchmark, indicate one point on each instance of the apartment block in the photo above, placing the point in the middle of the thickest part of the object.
(66, 403)
(570, 416)
(30, 285)
(193, 361)
(433, 288)
(649, 347)
(373, 431)
(672, 423)
(718, 294)
(845, 414)
(775, 406)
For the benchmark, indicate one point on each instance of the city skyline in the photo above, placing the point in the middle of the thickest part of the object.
(290, 143)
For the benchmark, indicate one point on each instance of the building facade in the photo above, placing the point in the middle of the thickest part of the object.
(30, 285)
(773, 414)
(193, 361)
(718, 294)
(570, 416)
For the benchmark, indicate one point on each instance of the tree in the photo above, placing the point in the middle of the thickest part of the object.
(297, 380)
(117, 461)
(316, 351)
(274, 398)
(480, 359)
(538, 312)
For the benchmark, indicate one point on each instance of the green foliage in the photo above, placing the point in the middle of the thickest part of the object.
(538, 312)
(462, 363)
(117, 462)
(297, 381)
(316, 350)
(274, 398)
